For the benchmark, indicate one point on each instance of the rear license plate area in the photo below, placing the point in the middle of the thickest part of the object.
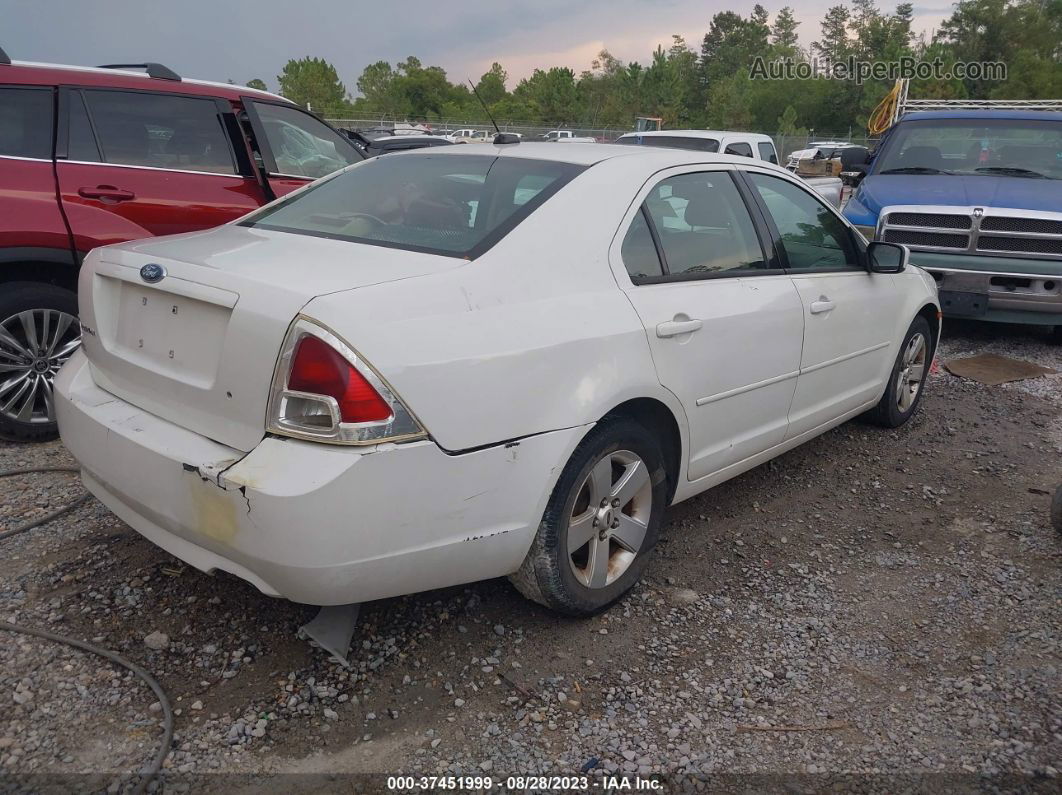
(173, 335)
(965, 304)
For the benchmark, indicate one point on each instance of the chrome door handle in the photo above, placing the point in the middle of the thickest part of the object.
(822, 305)
(672, 328)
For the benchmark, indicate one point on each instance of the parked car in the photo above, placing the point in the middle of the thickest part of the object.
(566, 136)
(469, 136)
(90, 157)
(460, 382)
(754, 145)
(977, 195)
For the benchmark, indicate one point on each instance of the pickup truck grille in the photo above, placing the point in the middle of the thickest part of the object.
(911, 237)
(931, 219)
(1040, 226)
(982, 230)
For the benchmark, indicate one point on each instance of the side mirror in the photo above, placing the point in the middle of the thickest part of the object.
(887, 257)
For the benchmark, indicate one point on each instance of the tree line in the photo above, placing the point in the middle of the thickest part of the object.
(711, 87)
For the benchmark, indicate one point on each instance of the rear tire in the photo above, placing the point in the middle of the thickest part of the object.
(1056, 510)
(612, 492)
(907, 379)
(39, 331)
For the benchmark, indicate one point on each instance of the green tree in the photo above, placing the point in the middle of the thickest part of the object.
(255, 82)
(491, 86)
(550, 95)
(784, 32)
(833, 46)
(314, 84)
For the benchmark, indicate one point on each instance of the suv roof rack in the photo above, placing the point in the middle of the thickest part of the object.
(153, 69)
(4, 57)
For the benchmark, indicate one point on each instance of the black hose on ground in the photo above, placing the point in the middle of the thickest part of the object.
(14, 531)
(167, 711)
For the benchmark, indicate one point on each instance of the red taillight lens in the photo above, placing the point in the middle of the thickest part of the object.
(320, 370)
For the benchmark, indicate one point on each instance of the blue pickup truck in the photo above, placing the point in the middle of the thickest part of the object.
(977, 196)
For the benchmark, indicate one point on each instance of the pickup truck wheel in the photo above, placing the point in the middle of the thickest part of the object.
(601, 522)
(39, 331)
(907, 381)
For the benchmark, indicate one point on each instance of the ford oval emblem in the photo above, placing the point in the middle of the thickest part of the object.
(152, 273)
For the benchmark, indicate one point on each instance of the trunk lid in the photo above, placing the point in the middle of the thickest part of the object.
(199, 346)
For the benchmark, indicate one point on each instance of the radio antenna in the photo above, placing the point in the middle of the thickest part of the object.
(485, 109)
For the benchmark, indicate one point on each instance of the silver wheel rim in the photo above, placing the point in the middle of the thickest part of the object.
(609, 518)
(33, 346)
(912, 372)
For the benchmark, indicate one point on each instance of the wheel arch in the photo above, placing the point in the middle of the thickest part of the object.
(39, 267)
(932, 316)
(658, 418)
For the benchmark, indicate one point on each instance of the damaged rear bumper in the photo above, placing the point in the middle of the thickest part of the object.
(310, 522)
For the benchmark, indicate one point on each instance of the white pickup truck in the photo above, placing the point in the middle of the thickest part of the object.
(567, 136)
(754, 145)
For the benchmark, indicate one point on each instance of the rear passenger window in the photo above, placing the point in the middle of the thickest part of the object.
(738, 148)
(703, 225)
(767, 152)
(639, 251)
(26, 122)
(82, 145)
(160, 131)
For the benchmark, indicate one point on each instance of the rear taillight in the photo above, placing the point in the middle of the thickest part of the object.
(323, 390)
(321, 370)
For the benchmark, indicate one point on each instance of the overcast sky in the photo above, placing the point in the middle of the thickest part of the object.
(241, 39)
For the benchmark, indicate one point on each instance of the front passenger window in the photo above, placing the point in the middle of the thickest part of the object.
(301, 145)
(813, 236)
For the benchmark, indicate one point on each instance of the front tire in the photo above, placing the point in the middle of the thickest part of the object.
(907, 380)
(601, 522)
(39, 331)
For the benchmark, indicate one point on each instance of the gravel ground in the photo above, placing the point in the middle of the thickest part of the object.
(871, 606)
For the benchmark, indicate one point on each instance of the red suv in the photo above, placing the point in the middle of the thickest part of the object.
(91, 156)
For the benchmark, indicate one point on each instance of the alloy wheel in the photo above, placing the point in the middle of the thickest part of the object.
(34, 344)
(609, 518)
(912, 372)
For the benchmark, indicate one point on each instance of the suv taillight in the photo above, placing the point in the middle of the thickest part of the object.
(323, 390)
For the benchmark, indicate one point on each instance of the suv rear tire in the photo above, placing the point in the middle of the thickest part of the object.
(39, 331)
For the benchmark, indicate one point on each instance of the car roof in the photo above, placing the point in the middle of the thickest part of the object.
(698, 134)
(33, 73)
(1014, 114)
(587, 154)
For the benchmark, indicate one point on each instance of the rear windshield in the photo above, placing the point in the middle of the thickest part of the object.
(456, 206)
(672, 142)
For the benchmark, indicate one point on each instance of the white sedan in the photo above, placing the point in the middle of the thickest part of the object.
(469, 362)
